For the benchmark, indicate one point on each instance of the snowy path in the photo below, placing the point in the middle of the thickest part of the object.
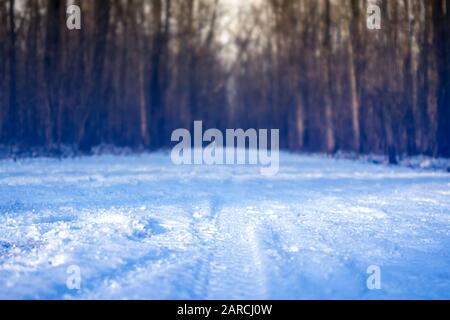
(139, 227)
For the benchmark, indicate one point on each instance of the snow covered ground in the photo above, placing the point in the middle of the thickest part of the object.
(139, 227)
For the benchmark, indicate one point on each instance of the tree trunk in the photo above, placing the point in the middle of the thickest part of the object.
(144, 128)
(32, 87)
(442, 54)
(13, 113)
(158, 127)
(52, 68)
(91, 124)
(354, 74)
(410, 84)
(3, 53)
(329, 122)
(423, 92)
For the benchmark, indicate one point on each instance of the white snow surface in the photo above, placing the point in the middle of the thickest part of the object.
(139, 227)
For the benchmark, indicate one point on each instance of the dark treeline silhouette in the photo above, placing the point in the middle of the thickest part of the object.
(139, 69)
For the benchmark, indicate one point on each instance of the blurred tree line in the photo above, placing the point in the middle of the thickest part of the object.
(139, 69)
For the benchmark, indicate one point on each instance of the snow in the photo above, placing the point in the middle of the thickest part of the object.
(139, 227)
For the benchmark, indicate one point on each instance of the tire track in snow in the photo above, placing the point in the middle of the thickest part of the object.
(203, 228)
(175, 274)
(237, 268)
(305, 262)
